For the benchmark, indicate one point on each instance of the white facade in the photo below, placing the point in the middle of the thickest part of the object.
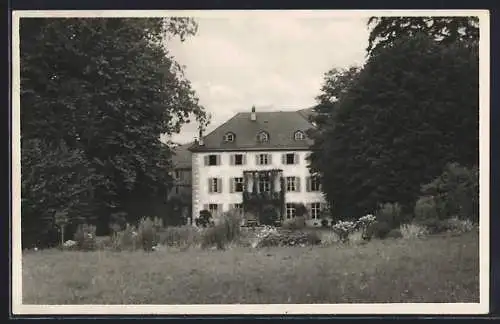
(225, 170)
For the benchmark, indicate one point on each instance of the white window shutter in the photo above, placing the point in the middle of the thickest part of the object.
(269, 159)
(243, 159)
(205, 158)
(220, 208)
(297, 184)
(218, 159)
(296, 158)
(231, 159)
(308, 184)
(231, 185)
(257, 160)
(205, 206)
(283, 158)
(219, 185)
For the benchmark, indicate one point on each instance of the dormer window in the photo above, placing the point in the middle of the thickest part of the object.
(229, 137)
(299, 136)
(263, 137)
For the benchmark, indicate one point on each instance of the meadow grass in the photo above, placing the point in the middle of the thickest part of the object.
(434, 269)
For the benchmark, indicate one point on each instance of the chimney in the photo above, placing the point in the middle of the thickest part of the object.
(253, 116)
(200, 139)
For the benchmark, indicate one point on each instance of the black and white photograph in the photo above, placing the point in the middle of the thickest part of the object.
(250, 162)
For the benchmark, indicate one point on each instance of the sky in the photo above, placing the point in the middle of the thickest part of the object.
(275, 62)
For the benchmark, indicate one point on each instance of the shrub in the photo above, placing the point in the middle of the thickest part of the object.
(179, 236)
(456, 192)
(434, 226)
(413, 230)
(128, 239)
(378, 230)
(324, 223)
(85, 237)
(147, 234)
(390, 213)
(205, 218)
(269, 215)
(429, 207)
(227, 229)
(394, 233)
(273, 237)
(343, 229)
(456, 225)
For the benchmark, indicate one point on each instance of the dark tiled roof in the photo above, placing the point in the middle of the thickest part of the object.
(181, 156)
(280, 125)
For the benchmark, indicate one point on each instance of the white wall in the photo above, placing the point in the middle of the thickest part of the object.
(225, 171)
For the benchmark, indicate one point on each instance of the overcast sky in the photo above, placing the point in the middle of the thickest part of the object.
(275, 62)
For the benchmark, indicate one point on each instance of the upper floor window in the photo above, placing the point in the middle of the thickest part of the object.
(229, 137)
(236, 184)
(293, 184)
(238, 159)
(313, 183)
(299, 136)
(263, 159)
(212, 159)
(290, 158)
(214, 185)
(263, 137)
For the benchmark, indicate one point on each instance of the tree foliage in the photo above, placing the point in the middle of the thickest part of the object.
(413, 108)
(446, 30)
(96, 94)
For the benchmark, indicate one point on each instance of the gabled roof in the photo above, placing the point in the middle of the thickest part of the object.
(181, 156)
(280, 125)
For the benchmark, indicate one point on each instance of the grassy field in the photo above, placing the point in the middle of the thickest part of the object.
(435, 269)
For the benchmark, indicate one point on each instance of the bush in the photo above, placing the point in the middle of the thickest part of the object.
(325, 223)
(128, 239)
(413, 230)
(456, 191)
(147, 234)
(434, 226)
(273, 237)
(205, 218)
(179, 236)
(428, 207)
(85, 237)
(456, 225)
(378, 230)
(391, 214)
(394, 233)
(269, 215)
(227, 229)
(343, 229)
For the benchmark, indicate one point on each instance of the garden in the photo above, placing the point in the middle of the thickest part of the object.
(386, 256)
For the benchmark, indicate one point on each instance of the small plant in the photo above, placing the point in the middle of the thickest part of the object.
(324, 223)
(413, 230)
(377, 230)
(85, 237)
(343, 229)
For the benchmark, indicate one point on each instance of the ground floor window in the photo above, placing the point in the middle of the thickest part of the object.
(290, 210)
(315, 210)
(213, 208)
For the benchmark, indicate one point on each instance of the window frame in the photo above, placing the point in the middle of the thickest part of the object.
(229, 135)
(290, 211)
(301, 134)
(263, 137)
(315, 212)
(291, 184)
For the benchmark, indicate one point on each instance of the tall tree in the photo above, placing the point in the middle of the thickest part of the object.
(412, 109)
(446, 30)
(106, 88)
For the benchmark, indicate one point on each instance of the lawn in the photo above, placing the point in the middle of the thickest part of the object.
(431, 270)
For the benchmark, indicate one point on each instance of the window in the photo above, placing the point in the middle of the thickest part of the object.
(315, 210)
(264, 184)
(213, 208)
(263, 159)
(290, 184)
(236, 184)
(212, 159)
(237, 159)
(290, 210)
(229, 137)
(290, 158)
(214, 185)
(293, 184)
(238, 207)
(314, 184)
(299, 136)
(177, 175)
(263, 137)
